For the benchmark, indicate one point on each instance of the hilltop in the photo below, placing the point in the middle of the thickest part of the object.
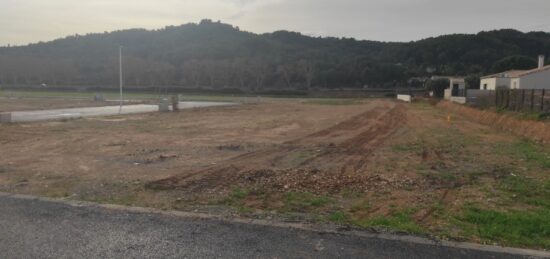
(217, 55)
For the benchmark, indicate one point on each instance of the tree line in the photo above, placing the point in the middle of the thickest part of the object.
(215, 55)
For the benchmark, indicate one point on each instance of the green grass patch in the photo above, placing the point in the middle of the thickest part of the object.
(304, 201)
(399, 220)
(532, 152)
(526, 190)
(338, 217)
(515, 228)
(536, 116)
(236, 197)
(239, 193)
(526, 150)
(525, 115)
(409, 147)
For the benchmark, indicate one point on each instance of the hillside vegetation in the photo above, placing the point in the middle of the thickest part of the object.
(216, 55)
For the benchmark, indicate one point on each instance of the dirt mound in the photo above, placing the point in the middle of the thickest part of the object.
(323, 162)
(534, 130)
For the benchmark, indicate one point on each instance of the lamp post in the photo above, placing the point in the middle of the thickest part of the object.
(120, 77)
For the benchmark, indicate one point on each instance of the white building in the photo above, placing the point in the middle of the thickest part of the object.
(533, 79)
(457, 86)
(504, 79)
(538, 78)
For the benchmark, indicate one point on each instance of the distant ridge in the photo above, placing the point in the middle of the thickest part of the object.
(217, 55)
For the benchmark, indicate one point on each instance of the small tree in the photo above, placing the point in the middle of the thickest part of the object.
(514, 62)
(438, 86)
(473, 81)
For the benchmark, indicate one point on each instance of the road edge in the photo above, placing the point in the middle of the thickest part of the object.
(297, 226)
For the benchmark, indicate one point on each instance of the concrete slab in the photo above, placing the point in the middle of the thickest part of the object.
(404, 97)
(73, 113)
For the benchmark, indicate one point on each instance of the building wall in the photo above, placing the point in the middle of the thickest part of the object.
(448, 94)
(503, 82)
(515, 83)
(494, 82)
(540, 80)
(488, 84)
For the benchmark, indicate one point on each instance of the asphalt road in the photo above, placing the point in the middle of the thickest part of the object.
(33, 228)
(72, 113)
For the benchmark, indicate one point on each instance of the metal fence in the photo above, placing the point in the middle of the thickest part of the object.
(535, 100)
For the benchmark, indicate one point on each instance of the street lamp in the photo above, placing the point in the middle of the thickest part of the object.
(120, 77)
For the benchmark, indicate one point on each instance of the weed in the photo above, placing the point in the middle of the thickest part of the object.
(527, 190)
(244, 209)
(521, 228)
(338, 216)
(363, 206)
(239, 193)
(235, 197)
(438, 210)
(409, 147)
(304, 201)
(527, 150)
(531, 152)
(398, 220)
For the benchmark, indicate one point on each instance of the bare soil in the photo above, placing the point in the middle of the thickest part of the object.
(355, 162)
(80, 156)
(322, 162)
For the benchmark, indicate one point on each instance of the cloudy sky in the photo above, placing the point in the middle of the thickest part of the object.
(26, 21)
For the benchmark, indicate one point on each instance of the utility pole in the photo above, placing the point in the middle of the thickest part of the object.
(120, 77)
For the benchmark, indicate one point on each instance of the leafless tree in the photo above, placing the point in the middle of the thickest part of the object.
(259, 69)
(308, 70)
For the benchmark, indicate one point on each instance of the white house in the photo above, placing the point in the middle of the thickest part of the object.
(538, 78)
(532, 79)
(504, 79)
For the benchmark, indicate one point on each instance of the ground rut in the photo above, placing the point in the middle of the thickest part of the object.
(337, 158)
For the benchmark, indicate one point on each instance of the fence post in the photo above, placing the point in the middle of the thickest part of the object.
(532, 99)
(509, 92)
(522, 100)
(542, 101)
(516, 101)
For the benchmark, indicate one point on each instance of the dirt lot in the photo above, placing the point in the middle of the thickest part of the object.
(371, 163)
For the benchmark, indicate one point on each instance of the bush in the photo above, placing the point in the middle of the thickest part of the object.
(438, 86)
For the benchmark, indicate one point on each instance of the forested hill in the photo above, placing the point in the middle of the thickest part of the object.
(216, 55)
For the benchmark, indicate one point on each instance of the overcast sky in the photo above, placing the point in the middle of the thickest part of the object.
(26, 21)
